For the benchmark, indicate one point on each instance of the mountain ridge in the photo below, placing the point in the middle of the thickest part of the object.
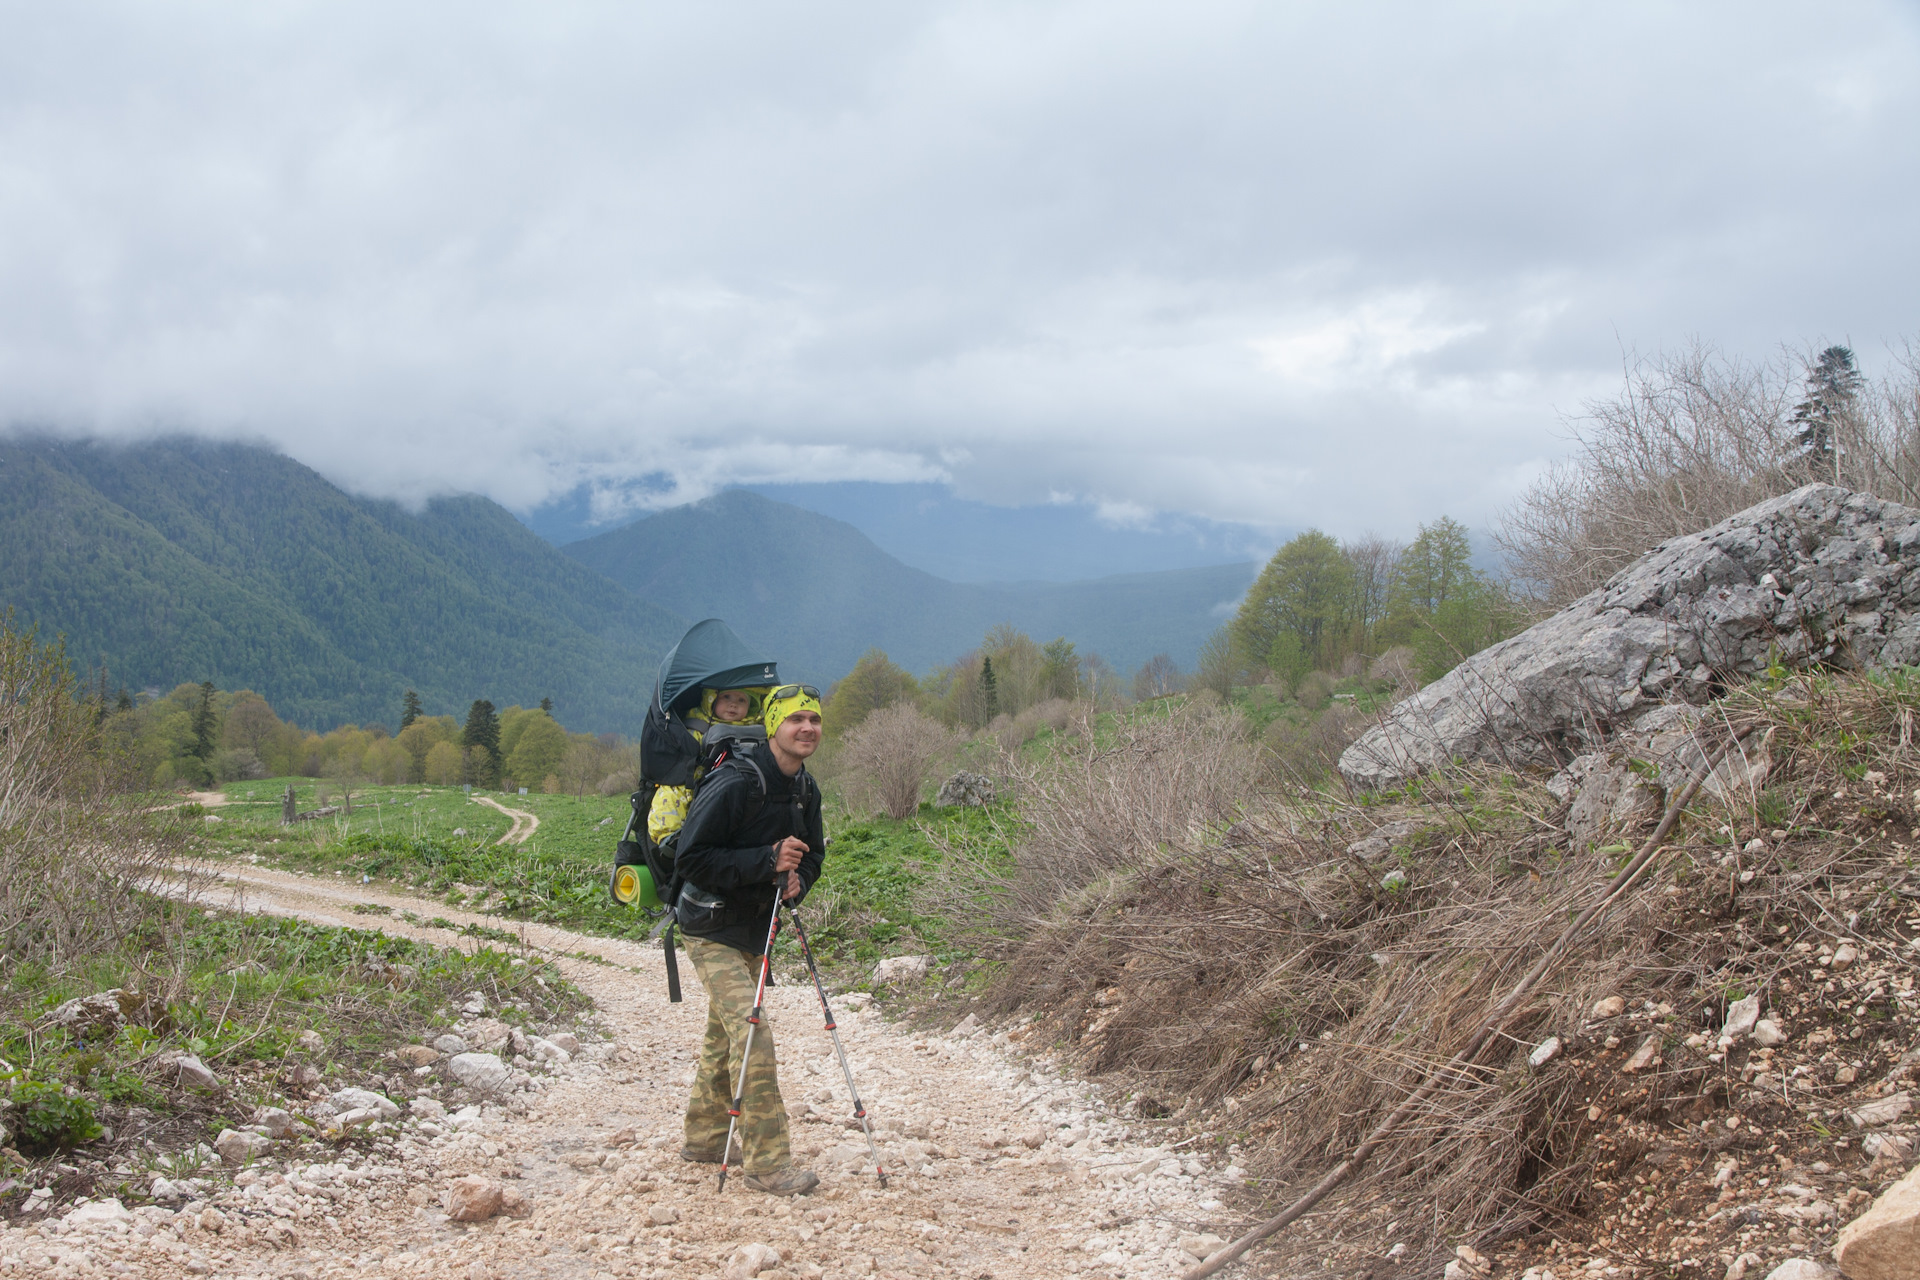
(856, 596)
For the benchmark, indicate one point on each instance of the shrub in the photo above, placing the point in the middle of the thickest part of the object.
(1315, 690)
(47, 1119)
(887, 759)
(1399, 667)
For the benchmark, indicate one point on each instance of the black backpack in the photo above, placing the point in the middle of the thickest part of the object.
(723, 742)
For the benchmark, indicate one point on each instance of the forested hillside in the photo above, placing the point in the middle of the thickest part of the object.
(819, 593)
(185, 561)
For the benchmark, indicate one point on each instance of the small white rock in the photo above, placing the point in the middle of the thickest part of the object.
(1544, 1052)
(1767, 1033)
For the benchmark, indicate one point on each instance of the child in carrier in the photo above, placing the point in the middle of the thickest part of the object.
(717, 707)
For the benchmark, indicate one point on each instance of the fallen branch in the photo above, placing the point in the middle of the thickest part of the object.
(1492, 1026)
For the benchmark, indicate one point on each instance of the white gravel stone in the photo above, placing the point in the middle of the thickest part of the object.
(481, 1072)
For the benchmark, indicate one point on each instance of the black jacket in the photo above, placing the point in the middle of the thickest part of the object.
(726, 844)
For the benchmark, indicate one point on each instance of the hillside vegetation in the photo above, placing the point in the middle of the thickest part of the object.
(184, 561)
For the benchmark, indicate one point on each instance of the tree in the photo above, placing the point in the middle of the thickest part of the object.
(1832, 397)
(205, 725)
(124, 702)
(887, 759)
(874, 683)
(1296, 614)
(1217, 664)
(420, 737)
(1157, 677)
(989, 690)
(442, 764)
(1435, 567)
(546, 705)
(409, 710)
(542, 745)
(481, 737)
(1059, 670)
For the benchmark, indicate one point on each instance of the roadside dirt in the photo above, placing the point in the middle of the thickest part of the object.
(524, 823)
(999, 1166)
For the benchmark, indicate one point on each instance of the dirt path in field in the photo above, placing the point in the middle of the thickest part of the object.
(524, 823)
(1000, 1167)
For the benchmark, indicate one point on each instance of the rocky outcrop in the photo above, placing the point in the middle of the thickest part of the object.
(965, 790)
(1882, 1243)
(1819, 575)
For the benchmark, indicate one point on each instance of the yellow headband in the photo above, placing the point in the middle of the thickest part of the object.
(778, 709)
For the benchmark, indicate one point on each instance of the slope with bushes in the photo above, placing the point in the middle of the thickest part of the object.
(1273, 975)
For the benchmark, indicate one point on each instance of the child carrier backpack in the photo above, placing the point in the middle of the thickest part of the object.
(709, 655)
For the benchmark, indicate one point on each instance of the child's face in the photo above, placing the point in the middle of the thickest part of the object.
(731, 705)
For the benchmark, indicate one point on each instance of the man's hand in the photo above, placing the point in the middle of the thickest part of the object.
(787, 854)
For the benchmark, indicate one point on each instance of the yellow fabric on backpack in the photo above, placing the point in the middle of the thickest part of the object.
(670, 803)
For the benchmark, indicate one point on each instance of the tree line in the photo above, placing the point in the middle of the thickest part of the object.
(199, 735)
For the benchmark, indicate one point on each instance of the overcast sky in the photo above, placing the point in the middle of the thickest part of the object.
(1283, 264)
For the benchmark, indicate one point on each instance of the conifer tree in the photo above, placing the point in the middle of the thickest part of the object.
(409, 709)
(481, 736)
(546, 705)
(205, 724)
(1833, 388)
(989, 689)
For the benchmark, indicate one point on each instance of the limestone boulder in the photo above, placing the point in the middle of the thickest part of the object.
(965, 790)
(1882, 1243)
(481, 1072)
(1822, 574)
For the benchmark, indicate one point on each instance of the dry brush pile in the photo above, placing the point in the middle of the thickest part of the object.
(1286, 973)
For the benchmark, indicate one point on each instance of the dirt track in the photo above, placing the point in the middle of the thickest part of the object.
(1000, 1168)
(524, 823)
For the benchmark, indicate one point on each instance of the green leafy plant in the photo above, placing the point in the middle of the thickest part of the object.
(48, 1119)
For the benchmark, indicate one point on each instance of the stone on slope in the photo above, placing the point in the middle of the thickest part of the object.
(237, 1147)
(482, 1072)
(965, 790)
(472, 1198)
(1881, 1243)
(749, 1260)
(344, 1100)
(1821, 574)
(902, 969)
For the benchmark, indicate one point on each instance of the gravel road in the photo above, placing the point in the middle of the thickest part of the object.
(1000, 1166)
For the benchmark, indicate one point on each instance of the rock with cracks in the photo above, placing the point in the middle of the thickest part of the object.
(1882, 1243)
(749, 1260)
(481, 1072)
(1819, 575)
(965, 790)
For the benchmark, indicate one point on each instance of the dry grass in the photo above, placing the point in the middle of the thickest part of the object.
(76, 847)
(1225, 954)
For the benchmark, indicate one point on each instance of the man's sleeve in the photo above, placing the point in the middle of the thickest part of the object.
(816, 838)
(706, 856)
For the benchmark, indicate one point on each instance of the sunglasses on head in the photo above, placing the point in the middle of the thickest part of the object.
(789, 690)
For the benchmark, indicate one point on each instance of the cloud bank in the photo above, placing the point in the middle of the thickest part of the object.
(1281, 265)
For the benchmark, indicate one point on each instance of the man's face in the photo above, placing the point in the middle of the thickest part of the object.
(799, 734)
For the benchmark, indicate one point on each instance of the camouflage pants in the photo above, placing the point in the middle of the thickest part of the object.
(730, 977)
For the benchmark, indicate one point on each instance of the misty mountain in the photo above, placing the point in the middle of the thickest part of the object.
(818, 593)
(183, 560)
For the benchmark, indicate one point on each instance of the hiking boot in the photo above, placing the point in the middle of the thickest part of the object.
(782, 1182)
(696, 1155)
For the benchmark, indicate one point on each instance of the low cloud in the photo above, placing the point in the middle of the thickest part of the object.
(1268, 264)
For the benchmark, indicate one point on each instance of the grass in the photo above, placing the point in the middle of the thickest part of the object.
(239, 993)
(404, 836)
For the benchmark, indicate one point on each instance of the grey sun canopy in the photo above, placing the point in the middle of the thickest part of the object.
(709, 656)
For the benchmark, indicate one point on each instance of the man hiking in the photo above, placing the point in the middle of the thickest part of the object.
(754, 825)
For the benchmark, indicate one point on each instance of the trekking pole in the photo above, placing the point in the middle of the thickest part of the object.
(859, 1111)
(753, 1024)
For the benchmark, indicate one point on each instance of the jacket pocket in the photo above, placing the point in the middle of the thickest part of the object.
(700, 912)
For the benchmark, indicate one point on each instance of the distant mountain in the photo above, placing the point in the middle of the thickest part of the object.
(818, 593)
(183, 560)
